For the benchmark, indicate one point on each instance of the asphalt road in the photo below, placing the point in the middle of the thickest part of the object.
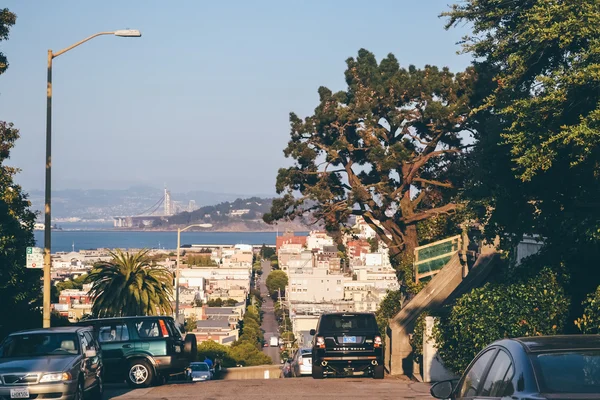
(278, 389)
(269, 323)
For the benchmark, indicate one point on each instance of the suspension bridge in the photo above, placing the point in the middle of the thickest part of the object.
(159, 211)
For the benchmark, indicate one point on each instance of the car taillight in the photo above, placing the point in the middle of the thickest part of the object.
(163, 328)
(321, 342)
(377, 341)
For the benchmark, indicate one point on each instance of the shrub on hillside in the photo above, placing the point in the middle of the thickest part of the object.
(589, 323)
(537, 306)
(214, 351)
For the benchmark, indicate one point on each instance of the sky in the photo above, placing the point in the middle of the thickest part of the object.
(201, 101)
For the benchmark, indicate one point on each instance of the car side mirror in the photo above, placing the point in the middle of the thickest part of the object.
(442, 390)
(312, 332)
(90, 353)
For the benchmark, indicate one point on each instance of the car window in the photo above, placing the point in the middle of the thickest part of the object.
(148, 329)
(173, 330)
(199, 367)
(40, 345)
(85, 344)
(569, 372)
(90, 340)
(498, 381)
(347, 322)
(116, 332)
(474, 375)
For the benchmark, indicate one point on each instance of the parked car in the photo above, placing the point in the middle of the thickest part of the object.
(540, 367)
(199, 371)
(142, 350)
(302, 363)
(346, 344)
(52, 363)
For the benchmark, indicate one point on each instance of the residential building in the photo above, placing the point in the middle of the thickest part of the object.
(218, 330)
(289, 238)
(318, 239)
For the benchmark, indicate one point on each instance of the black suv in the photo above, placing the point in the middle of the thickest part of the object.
(142, 350)
(345, 343)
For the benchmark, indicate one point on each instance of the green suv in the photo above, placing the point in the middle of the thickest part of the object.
(142, 350)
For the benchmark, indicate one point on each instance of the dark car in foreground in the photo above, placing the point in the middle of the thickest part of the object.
(542, 367)
(346, 344)
(53, 363)
(142, 350)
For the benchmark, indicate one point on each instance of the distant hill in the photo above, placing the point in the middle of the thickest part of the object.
(233, 216)
(100, 204)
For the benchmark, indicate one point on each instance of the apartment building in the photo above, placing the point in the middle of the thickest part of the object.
(315, 285)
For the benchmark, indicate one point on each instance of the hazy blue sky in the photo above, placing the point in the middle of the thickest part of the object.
(201, 100)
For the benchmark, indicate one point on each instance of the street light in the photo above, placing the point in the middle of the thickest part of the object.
(177, 266)
(48, 194)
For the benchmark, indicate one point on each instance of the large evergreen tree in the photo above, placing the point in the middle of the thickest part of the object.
(536, 165)
(20, 288)
(382, 149)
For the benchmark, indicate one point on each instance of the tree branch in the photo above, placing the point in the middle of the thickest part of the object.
(447, 209)
(434, 183)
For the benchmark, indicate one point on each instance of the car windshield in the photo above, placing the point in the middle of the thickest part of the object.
(348, 322)
(39, 345)
(199, 367)
(569, 372)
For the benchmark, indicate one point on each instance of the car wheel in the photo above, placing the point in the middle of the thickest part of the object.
(98, 392)
(190, 347)
(378, 372)
(317, 372)
(140, 374)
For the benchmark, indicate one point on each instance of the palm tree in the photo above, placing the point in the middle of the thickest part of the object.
(128, 285)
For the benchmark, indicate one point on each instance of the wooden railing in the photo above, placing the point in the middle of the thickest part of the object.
(432, 257)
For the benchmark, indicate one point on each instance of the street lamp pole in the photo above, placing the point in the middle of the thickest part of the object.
(177, 266)
(48, 190)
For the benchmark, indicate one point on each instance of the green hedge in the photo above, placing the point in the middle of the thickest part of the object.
(589, 323)
(537, 306)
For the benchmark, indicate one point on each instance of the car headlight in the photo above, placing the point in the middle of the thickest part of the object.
(57, 377)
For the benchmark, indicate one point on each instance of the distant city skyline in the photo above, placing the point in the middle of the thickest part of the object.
(201, 100)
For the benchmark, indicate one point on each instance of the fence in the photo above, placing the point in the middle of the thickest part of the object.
(432, 257)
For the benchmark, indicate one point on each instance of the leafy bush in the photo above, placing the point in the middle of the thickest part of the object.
(537, 306)
(589, 323)
(246, 354)
(214, 350)
(416, 340)
(388, 308)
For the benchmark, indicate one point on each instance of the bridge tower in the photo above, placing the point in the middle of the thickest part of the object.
(168, 203)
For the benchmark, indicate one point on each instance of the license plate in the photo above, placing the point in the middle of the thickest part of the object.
(20, 393)
(349, 339)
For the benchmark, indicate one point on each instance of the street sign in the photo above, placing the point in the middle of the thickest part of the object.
(35, 257)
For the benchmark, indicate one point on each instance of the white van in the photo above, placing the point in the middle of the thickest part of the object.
(274, 342)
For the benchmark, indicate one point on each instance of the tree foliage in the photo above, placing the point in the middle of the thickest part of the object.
(128, 285)
(20, 289)
(546, 56)
(535, 167)
(276, 280)
(392, 131)
(7, 20)
(388, 308)
(537, 306)
(589, 323)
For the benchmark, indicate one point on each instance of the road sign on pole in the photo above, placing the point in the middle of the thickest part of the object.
(35, 258)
